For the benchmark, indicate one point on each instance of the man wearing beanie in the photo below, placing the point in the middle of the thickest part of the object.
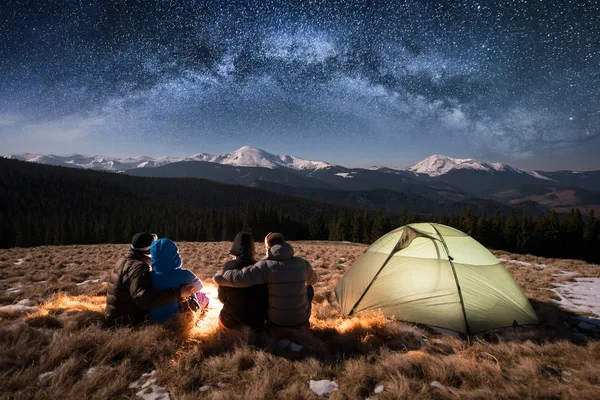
(130, 292)
(286, 276)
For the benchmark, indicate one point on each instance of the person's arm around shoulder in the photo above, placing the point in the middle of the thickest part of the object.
(193, 280)
(311, 275)
(248, 276)
(143, 293)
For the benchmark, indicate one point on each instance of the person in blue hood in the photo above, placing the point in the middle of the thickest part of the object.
(167, 273)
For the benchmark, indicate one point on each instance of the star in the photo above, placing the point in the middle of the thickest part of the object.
(460, 78)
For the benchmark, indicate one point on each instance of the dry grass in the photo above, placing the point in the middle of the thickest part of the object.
(63, 335)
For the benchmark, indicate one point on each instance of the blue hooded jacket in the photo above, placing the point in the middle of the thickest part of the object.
(167, 274)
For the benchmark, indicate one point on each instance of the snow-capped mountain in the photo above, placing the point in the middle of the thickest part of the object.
(96, 162)
(437, 165)
(246, 156)
(249, 156)
(439, 178)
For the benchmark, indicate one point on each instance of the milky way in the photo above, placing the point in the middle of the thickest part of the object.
(358, 83)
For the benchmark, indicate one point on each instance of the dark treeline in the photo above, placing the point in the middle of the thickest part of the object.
(43, 205)
(551, 235)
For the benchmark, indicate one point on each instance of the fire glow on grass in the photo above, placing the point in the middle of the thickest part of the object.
(208, 323)
(63, 302)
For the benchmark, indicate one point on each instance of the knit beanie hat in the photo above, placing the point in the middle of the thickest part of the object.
(274, 238)
(142, 241)
(165, 255)
(243, 245)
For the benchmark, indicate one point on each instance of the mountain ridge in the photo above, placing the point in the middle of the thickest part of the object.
(438, 176)
(249, 156)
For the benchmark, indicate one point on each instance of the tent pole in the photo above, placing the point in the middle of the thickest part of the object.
(462, 303)
(373, 280)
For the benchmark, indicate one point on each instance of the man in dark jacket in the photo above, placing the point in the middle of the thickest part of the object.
(243, 306)
(130, 293)
(286, 277)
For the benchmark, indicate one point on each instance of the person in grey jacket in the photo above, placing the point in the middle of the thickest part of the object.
(286, 277)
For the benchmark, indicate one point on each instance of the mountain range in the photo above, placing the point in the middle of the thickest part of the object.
(440, 179)
(246, 156)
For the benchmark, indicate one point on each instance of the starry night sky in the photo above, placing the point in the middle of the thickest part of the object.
(356, 83)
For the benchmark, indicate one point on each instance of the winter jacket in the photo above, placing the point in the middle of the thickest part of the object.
(242, 306)
(286, 277)
(130, 293)
(167, 274)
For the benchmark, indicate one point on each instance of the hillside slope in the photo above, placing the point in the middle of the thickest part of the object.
(53, 345)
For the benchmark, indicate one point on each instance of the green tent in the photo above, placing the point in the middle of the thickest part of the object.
(434, 275)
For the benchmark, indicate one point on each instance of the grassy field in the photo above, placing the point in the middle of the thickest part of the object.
(54, 346)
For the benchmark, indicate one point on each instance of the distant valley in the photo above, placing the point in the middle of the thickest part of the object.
(435, 184)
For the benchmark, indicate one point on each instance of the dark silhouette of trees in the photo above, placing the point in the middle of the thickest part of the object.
(45, 205)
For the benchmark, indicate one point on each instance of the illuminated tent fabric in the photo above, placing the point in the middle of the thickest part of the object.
(434, 275)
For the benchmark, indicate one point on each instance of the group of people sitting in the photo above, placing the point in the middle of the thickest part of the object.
(149, 284)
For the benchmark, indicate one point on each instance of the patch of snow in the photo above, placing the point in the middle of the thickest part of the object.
(438, 385)
(16, 309)
(220, 385)
(378, 389)
(137, 384)
(536, 174)
(563, 273)
(25, 302)
(44, 379)
(88, 281)
(91, 371)
(345, 174)
(14, 290)
(149, 382)
(204, 389)
(149, 390)
(583, 295)
(522, 263)
(20, 261)
(153, 392)
(323, 387)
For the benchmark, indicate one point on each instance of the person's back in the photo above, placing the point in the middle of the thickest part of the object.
(286, 277)
(168, 274)
(243, 306)
(121, 308)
